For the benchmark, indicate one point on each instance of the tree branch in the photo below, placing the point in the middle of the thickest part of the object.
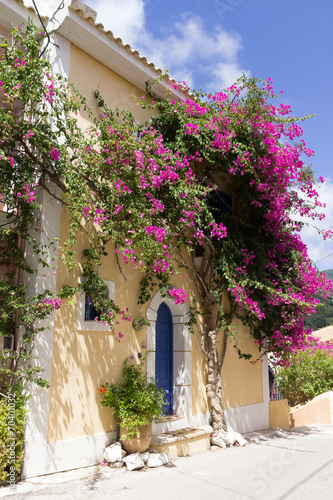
(203, 341)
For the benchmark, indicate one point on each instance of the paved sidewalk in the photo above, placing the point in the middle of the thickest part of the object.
(277, 465)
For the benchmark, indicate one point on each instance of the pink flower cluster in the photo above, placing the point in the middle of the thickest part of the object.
(179, 295)
(191, 129)
(54, 303)
(28, 196)
(49, 92)
(158, 232)
(219, 231)
(54, 153)
(245, 303)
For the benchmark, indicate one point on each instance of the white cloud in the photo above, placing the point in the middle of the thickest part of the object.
(225, 74)
(190, 45)
(126, 19)
(187, 48)
(318, 249)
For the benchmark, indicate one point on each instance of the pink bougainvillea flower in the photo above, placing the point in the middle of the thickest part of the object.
(54, 153)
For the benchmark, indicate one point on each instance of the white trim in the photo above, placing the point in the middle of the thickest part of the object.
(118, 57)
(37, 422)
(69, 454)
(12, 14)
(37, 451)
(182, 359)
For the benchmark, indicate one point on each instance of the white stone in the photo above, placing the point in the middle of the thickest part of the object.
(157, 460)
(240, 440)
(114, 453)
(134, 461)
(215, 439)
(145, 456)
(118, 465)
(229, 438)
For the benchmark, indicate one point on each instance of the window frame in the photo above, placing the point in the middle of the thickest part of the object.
(92, 325)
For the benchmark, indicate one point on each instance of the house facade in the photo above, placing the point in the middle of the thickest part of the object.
(67, 427)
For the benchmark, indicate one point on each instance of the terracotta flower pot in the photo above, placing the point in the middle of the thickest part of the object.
(140, 442)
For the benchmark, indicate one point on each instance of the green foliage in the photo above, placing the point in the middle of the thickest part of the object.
(35, 112)
(140, 323)
(136, 400)
(310, 374)
(12, 427)
(324, 310)
(148, 200)
(329, 273)
(317, 321)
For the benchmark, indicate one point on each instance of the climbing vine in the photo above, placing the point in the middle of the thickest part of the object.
(212, 186)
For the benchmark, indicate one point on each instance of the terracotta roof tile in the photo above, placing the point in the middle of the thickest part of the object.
(324, 334)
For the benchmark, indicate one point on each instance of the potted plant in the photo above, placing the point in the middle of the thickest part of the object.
(140, 323)
(136, 401)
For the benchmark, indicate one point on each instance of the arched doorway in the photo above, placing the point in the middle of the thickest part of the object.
(164, 355)
(181, 360)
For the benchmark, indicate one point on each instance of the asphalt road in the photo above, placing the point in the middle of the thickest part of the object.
(295, 464)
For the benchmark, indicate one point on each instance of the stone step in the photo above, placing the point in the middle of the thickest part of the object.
(183, 442)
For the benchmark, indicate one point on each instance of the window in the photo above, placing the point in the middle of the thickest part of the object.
(90, 312)
(220, 202)
(87, 312)
(7, 342)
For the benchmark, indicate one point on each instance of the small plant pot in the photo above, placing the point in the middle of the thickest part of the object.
(139, 324)
(140, 442)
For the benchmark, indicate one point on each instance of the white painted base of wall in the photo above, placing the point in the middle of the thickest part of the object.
(243, 419)
(88, 450)
(45, 458)
(254, 417)
(66, 455)
(248, 418)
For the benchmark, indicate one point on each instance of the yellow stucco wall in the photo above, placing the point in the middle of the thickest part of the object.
(318, 410)
(83, 360)
(241, 380)
(279, 414)
(89, 75)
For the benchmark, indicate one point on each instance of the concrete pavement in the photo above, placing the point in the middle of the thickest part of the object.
(277, 465)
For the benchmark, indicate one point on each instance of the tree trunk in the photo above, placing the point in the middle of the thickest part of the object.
(214, 384)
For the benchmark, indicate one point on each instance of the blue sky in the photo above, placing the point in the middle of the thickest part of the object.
(210, 43)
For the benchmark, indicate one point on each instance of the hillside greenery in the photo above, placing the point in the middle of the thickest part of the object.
(324, 310)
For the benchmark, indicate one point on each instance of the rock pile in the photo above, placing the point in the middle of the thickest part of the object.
(116, 457)
(230, 438)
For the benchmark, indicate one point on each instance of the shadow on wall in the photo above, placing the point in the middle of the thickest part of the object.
(241, 380)
(85, 360)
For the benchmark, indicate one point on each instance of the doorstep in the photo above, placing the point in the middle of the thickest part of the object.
(183, 442)
(169, 418)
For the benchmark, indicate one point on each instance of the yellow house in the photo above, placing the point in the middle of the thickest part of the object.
(67, 427)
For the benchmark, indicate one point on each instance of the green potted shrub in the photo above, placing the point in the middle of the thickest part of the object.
(136, 401)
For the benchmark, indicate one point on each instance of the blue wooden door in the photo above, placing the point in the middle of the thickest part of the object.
(164, 354)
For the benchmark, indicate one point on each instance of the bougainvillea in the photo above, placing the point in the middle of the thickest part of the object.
(221, 177)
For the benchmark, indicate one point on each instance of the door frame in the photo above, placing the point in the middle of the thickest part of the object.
(182, 352)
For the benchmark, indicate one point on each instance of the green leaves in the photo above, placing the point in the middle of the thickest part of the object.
(12, 428)
(142, 192)
(136, 400)
(309, 375)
